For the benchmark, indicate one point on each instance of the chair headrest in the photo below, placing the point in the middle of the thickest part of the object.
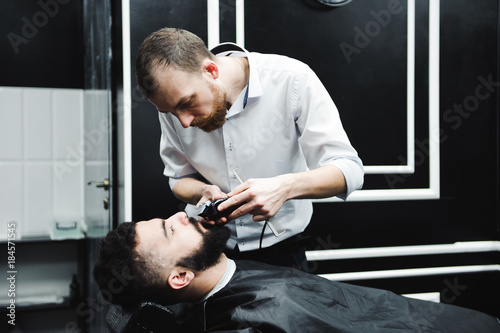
(144, 317)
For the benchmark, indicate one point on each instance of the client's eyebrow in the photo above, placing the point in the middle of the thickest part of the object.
(164, 229)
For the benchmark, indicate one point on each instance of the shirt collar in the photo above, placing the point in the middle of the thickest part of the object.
(232, 50)
(228, 274)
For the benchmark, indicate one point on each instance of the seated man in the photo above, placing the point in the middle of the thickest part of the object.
(179, 260)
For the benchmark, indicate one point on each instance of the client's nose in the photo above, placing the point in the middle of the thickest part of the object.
(181, 217)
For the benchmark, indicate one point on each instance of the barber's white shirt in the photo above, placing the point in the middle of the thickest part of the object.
(286, 122)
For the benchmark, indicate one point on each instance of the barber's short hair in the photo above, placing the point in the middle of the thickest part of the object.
(124, 276)
(174, 47)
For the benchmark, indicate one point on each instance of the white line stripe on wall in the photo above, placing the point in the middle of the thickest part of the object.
(410, 94)
(127, 113)
(433, 192)
(213, 28)
(413, 272)
(240, 22)
(434, 129)
(396, 251)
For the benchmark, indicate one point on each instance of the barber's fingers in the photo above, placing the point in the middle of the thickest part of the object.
(236, 210)
(255, 196)
(240, 188)
(211, 192)
(259, 210)
(259, 214)
(241, 210)
(238, 196)
(222, 220)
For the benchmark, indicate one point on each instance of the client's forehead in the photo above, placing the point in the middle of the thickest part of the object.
(147, 234)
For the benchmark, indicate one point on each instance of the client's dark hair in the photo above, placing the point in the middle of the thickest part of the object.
(120, 272)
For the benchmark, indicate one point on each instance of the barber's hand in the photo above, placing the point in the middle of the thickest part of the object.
(261, 197)
(211, 193)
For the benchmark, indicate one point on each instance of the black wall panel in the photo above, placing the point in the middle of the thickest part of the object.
(367, 81)
(41, 44)
(369, 87)
(151, 194)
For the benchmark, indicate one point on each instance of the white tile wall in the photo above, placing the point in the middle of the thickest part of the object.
(96, 161)
(52, 143)
(96, 125)
(42, 157)
(11, 194)
(37, 122)
(38, 198)
(66, 123)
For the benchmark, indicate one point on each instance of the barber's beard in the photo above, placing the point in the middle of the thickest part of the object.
(219, 110)
(211, 249)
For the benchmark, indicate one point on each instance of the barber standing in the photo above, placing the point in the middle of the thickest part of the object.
(260, 129)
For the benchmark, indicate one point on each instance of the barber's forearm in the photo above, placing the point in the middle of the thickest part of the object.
(323, 182)
(264, 197)
(189, 190)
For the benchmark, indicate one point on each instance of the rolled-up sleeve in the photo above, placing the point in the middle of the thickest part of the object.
(322, 137)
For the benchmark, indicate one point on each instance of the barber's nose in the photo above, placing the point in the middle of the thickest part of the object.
(186, 119)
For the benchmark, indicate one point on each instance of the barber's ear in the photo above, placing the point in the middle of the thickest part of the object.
(211, 68)
(180, 278)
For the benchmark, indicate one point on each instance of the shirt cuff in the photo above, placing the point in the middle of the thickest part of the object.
(353, 173)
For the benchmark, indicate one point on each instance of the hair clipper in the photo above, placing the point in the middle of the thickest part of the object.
(208, 210)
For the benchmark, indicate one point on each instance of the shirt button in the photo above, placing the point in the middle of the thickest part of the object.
(242, 242)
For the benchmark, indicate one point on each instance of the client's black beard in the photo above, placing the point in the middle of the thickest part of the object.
(212, 247)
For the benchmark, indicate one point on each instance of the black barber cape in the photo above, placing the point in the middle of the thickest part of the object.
(263, 298)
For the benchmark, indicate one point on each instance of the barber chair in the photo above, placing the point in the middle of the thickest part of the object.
(147, 317)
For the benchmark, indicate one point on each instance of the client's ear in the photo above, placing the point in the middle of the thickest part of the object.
(180, 278)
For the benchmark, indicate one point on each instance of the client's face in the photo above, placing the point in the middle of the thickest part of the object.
(180, 241)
